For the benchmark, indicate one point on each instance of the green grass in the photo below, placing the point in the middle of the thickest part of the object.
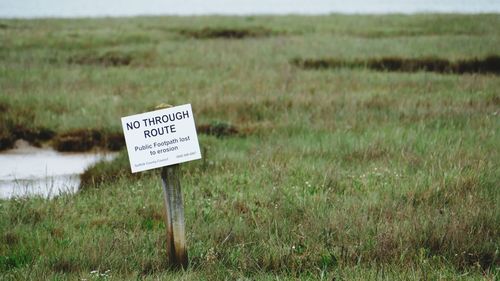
(349, 174)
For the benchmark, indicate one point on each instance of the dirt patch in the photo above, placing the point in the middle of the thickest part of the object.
(86, 139)
(227, 33)
(106, 59)
(6, 141)
(218, 129)
(9, 133)
(34, 136)
(78, 140)
(114, 141)
(6, 138)
(488, 65)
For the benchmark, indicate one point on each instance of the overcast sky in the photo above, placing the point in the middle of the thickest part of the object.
(92, 8)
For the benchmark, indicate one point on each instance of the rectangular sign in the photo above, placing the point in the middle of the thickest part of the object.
(161, 138)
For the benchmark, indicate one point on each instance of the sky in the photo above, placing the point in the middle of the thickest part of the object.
(100, 8)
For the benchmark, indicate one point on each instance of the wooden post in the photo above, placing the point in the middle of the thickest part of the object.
(174, 213)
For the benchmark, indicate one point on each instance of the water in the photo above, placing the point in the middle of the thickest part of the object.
(95, 8)
(27, 171)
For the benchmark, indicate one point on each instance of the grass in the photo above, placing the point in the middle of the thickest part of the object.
(321, 174)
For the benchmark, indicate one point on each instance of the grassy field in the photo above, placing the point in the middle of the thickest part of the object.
(328, 174)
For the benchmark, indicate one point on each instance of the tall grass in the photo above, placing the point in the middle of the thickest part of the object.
(337, 173)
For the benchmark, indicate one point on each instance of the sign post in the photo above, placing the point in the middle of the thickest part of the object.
(174, 213)
(162, 139)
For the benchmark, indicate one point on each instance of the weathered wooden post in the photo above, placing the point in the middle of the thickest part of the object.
(174, 216)
(174, 213)
(163, 138)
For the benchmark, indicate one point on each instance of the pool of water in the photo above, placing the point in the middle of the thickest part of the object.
(27, 170)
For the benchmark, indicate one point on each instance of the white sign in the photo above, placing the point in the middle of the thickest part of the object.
(160, 138)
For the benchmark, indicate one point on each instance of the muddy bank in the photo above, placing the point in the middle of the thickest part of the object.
(36, 136)
(82, 140)
(488, 65)
(227, 33)
(78, 140)
(87, 139)
(10, 130)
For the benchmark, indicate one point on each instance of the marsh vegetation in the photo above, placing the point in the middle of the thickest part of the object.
(346, 173)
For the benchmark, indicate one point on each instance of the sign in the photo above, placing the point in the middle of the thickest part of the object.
(161, 138)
